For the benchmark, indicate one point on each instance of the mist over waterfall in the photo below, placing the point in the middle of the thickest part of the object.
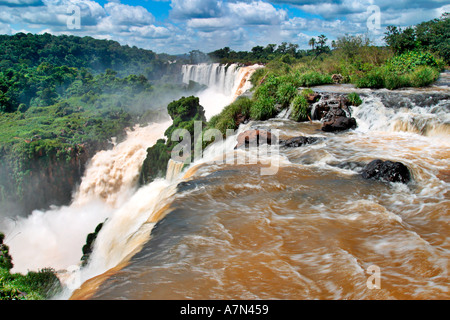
(55, 237)
(225, 83)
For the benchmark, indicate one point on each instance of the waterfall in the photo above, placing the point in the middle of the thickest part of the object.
(220, 77)
(173, 169)
(53, 238)
(225, 83)
(108, 191)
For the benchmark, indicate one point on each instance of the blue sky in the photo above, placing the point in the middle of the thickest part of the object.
(179, 26)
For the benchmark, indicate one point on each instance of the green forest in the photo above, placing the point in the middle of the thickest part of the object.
(62, 98)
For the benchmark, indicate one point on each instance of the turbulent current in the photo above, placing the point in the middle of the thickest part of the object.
(312, 229)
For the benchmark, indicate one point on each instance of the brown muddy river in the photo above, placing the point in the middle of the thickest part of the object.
(314, 230)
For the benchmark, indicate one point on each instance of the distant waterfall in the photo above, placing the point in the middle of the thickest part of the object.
(225, 83)
(217, 76)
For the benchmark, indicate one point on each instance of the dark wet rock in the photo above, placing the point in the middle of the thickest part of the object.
(190, 185)
(320, 111)
(407, 99)
(215, 178)
(254, 138)
(89, 246)
(388, 171)
(299, 141)
(330, 101)
(242, 119)
(337, 120)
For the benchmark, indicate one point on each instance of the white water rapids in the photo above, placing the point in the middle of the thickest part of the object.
(418, 136)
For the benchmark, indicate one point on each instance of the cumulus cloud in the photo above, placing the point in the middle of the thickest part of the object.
(256, 13)
(128, 15)
(182, 9)
(150, 32)
(211, 24)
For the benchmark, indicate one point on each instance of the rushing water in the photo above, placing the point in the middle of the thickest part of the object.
(224, 83)
(314, 229)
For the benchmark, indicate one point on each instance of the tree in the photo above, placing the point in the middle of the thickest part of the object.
(270, 48)
(196, 56)
(258, 52)
(322, 41)
(292, 49)
(400, 40)
(312, 43)
(434, 35)
(282, 48)
(350, 45)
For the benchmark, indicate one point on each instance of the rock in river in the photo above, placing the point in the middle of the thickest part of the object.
(386, 171)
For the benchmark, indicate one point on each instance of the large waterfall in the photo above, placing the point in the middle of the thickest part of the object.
(312, 230)
(225, 83)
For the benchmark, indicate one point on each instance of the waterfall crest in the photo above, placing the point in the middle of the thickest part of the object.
(225, 83)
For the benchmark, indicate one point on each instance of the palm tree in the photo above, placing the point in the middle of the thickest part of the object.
(322, 40)
(312, 43)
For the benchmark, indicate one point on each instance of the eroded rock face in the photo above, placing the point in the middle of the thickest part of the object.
(387, 171)
(337, 120)
(254, 138)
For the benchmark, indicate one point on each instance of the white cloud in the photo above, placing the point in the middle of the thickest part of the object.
(151, 32)
(128, 15)
(211, 24)
(5, 28)
(256, 13)
(182, 9)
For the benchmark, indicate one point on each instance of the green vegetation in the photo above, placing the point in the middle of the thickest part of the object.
(432, 36)
(89, 246)
(33, 286)
(413, 58)
(31, 50)
(231, 116)
(410, 69)
(354, 99)
(299, 108)
(184, 113)
(61, 100)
